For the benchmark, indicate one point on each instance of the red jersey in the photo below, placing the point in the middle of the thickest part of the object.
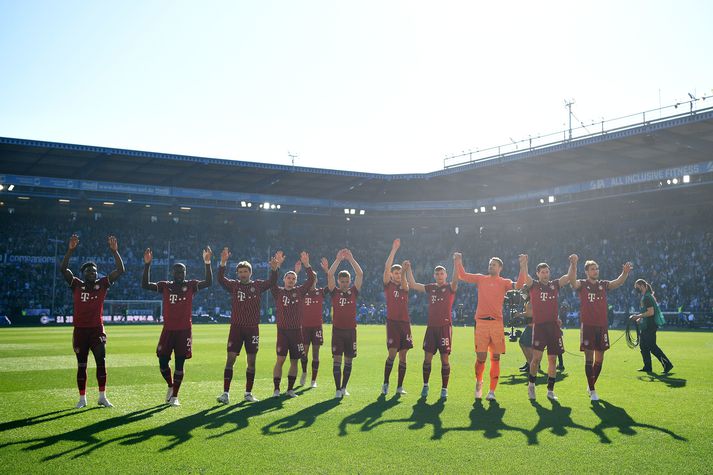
(543, 298)
(89, 302)
(245, 298)
(440, 304)
(177, 303)
(311, 307)
(287, 303)
(593, 302)
(344, 308)
(396, 302)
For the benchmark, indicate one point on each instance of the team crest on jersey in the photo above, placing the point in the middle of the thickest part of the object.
(443, 289)
(552, 287)
(601, 288)
(252, 289)
(349, 292)
(294, 294)
(96, 287)
(184, 288)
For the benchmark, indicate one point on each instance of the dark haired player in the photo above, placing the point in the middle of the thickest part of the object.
(289, 331)
(594, 334)
(310, 313)
(398, 324)
(176, 336)
(546, 331)
(439, 330)
(88, 296)
(344, 310)
(244, 318)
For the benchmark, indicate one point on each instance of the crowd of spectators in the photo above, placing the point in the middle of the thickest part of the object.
(672, 255)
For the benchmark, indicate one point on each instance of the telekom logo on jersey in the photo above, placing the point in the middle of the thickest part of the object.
(84, 296)
(591, 297)
(544, 295)
(241, 296)
(172, 298)
(342, 301)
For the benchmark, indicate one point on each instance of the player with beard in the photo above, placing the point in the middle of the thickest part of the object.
(245, 299)
(310, 314)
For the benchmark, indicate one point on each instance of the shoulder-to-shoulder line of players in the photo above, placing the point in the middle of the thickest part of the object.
(299, 319)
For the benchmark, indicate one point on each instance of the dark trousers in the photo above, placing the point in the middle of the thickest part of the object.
(648, 346)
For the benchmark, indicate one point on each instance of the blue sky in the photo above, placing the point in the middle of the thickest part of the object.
(379, 86)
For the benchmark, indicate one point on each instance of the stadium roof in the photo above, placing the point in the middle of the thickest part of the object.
(675, 141)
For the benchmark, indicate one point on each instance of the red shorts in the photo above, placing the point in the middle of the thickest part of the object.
(290, 341)
(85, 339)
(547, 335)
(398, 335)
(438, 339)
(344, 342)
(313, 336)
(593, 338)
(179, 342)
(249, 336)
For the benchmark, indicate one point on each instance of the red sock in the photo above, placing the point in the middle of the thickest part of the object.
(177, 380)
(596, 370)
(588, 371)
(479, 370)
(445, 375)
(291, 382)
(276, 383)
(388, 366)
(402, 374)
(315, 368)
(227, 379)
(426, 372)
(337, 372)
(101, 377)
(303, 362)
(249, 380)
(82, 378)
(166, 373)
(347, 373)
(494, 373)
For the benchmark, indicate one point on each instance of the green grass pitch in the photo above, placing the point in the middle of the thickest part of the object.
(655, 424)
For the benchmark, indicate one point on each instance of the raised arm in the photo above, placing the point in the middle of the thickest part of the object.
(573, 278)
(404, 280)
(460, 270)
(222, 280)
(119, 269)
(619, 281)
(145, 279)
(454, 282)
(358, 273)
(408, 274)
(331, 281)
(390, 260)
(64, 268)
(571, 272)
(208, 281)
(524, 278)
(311, 275)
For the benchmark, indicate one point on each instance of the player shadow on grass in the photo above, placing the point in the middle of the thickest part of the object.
(488, 420)
(523, 378)
(369, 415)
(423, 414)
(300, 420)
(179, 431)
(42, 418)
(241, 418)
(86, 436)
(558, 420)
(667, 379)
(612, 416)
